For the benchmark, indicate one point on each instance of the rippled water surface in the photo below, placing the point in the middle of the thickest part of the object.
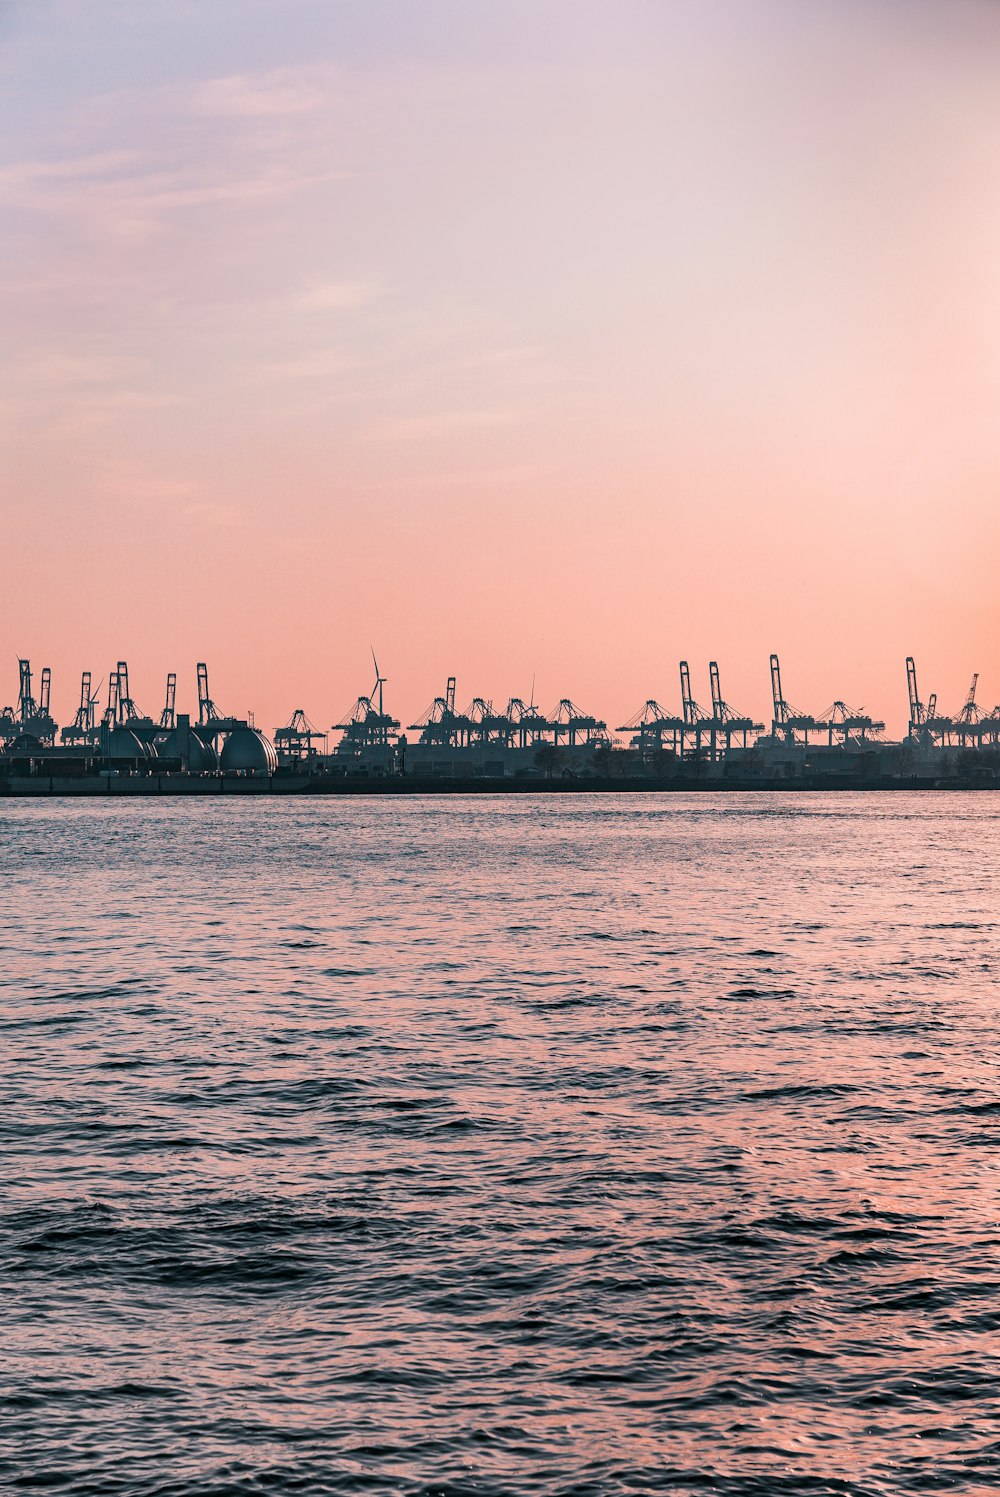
(556, 1145)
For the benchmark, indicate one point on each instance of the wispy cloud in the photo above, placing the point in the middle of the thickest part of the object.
(132, 194)
(131, 481)
(436, 424)
(275, 94)
(229, 143)
(337, 296)
(90, 167)
(316, 364)
(63, 369)
(209, 512)
(68, 393)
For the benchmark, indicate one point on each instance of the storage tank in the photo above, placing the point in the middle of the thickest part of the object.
(122, 743)
(184, 744)
(247, 751)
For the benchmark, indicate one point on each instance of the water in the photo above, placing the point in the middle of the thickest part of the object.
(543, 1146)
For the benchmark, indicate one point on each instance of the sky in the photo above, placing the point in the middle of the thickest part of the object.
(542, 340)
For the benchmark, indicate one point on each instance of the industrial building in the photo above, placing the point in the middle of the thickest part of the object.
(517, 741)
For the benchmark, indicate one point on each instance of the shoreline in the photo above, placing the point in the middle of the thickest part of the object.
(32, 787)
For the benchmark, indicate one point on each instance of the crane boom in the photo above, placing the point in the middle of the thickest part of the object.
(168, 716)
(126, 707)
(780, 709)
(207, 710)
(718, 706)
(687, 700)
(26, 705)
(114, 699)
(916, 706)
(85, 711)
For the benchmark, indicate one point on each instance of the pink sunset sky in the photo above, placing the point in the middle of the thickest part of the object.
(518, 338)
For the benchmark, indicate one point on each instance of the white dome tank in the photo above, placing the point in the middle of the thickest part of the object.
(246, 751)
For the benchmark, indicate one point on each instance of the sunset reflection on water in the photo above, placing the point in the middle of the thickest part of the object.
(571, 1144)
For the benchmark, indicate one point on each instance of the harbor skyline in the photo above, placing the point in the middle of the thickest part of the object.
(115, 699)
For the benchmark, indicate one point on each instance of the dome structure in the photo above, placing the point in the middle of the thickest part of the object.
(247, 751)
(201, 756)
(123, 744)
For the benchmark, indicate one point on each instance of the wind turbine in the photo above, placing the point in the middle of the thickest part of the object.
(379, 683)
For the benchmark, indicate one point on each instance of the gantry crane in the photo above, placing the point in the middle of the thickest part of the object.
(569, 723)
(294, 742)
(787, 721)
(696, 719)
(82, 729)
(440, 724)
(27, 707)
(367, 726)
(528, 726)
(918, 712)
(207, 710)
(846, 723)
(110, 717)
(653, 725)
(969, 718)
(724, 722)
(127, 713)
(211, 722)
(33, 717)
(168, 717)
(926, 727)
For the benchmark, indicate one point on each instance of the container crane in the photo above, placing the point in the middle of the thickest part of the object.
(528, 726)
(168, 717)
(207, 710)
(27, 707)
(786, 721)
(211, 723)
(567, 721)
(126, 707)
(991, 725)
(129, 715)
(82, 730)
(488, 725)
(440, 724)
(842, 722)
(33, 716)
(653, 725)
(918, 713)
(695, 717)
(925, 724)
(969, 718)
(724, 722)
(111, 711)
(367, 726)
(294, 742)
